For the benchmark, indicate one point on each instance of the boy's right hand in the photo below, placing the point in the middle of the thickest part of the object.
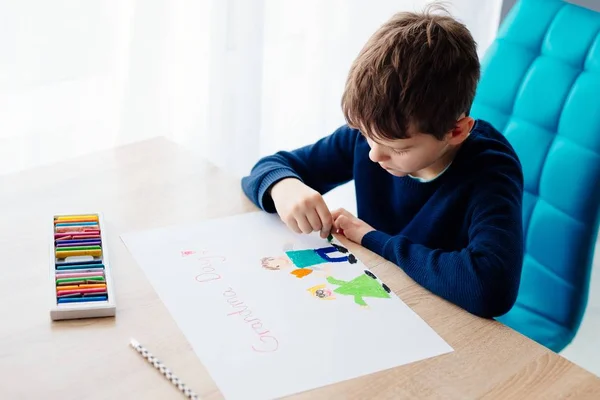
(302, 208)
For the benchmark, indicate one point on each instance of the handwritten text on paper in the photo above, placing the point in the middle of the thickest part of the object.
(266, 341)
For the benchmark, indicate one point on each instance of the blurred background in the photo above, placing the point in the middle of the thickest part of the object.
(231, 80)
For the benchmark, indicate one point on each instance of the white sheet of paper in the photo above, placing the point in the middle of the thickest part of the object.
(265, 333)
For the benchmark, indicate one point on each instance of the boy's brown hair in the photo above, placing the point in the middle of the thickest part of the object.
(419, 70)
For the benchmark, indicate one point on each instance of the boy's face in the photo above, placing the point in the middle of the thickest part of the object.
(402, 157)
(419, 155)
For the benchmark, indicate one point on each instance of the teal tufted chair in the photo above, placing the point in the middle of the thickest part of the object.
(540, 86)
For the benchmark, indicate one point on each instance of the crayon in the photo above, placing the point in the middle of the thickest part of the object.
(73, 253)
(86, 236)
(72, 281)
(103, 293)
(82, 286)
(75, 228)
(93, 285)
(79, 260)
(69, 248)
(59, 223)
(76, 217)
(77, 240)
(62, 272)
(79, 275)
(79, 268)
(82, 229)
(90, 232)
(78, 263)
(74, 221)
(81, 291)
(82, 299)
(76, 243)
(76, 293)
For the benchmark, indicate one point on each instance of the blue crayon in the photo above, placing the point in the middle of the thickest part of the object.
(71, 244)
(90, 262)
(62, 300)
(77, 240)
(77, 223)
(79, 266)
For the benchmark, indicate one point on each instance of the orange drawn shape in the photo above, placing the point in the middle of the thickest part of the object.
(301, 272)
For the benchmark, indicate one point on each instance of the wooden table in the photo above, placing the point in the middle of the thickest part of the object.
(156, 183)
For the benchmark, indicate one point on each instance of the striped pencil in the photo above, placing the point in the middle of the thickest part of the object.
(163, 370)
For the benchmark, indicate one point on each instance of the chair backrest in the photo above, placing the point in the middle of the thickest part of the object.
(540, 86)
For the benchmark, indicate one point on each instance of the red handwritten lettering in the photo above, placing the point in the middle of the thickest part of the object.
(244, 312)
(209, 273)
(207, 277)
(256, 325)
(270, 343)
(206, 260)
(235, 302)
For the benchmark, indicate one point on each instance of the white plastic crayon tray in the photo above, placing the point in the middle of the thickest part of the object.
(80, 273)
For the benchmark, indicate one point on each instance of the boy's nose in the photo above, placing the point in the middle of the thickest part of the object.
(376, 154)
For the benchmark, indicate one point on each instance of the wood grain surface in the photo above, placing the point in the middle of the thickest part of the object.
(157, 183)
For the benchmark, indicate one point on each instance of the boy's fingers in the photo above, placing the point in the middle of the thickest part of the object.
(336, 222)
(314, 220)
(336, 213)
(340, 211)
(303, 224)
(326, 219)
(341, 222)
(293, 225)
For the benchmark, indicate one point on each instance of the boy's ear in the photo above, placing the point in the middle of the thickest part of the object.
(461, 130)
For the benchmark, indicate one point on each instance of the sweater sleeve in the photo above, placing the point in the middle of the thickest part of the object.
(322, 165)
(482, 278)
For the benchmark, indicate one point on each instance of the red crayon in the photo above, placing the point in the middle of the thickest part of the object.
(90, 232)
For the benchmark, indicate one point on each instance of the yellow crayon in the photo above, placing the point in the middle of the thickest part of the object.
(74, 253)
(77, 217)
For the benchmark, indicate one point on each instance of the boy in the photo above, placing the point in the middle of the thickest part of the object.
(438, 193)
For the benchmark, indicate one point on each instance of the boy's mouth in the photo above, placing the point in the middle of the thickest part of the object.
(388, 169)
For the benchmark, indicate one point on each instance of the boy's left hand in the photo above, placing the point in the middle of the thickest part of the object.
(354, 228)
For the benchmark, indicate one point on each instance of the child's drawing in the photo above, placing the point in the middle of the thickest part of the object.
(322, 292)
(303, 262)
(365, 285)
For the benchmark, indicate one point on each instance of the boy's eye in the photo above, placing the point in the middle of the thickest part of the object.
(400, 151)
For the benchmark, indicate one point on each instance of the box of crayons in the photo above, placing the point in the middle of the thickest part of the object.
(79, 268)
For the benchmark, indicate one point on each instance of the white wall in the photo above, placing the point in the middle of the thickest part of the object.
(62, 68)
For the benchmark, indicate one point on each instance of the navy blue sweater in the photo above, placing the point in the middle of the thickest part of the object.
(459, 236)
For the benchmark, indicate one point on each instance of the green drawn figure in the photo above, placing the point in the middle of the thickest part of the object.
(362, 286)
